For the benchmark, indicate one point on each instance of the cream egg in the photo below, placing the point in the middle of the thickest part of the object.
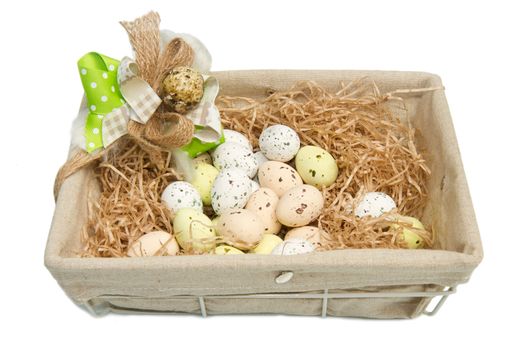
(194, 231)
(312, 234)
(203, 179)
(234, 156)
(293, 246)
(156, 243)
(300, 206)
(279, 142)
(267, 244)
(227, 250)
(231, 189)
(181, 194)
(316, 166)
(263, 203)
(375, 204)
(240, 228)
(278, 176)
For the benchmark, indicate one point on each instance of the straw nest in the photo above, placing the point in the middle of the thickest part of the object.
(374, 148)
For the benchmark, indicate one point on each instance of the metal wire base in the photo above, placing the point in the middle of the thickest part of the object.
(325, 296)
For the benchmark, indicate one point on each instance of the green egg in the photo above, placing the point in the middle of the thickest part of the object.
(203, 179)
(316, 166)
(193, 230)
(411, 238)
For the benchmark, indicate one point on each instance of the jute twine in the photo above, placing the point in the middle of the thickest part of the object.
(165, 129)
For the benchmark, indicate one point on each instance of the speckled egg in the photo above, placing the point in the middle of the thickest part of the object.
(278, 176)
(260, 158)
(181, 194)
(316, 166)
(182, 89)
(263, 203)
(293, 246)
(232, 136)
(203, 179)
(230, 190)
(375, 204)
(224, 249)
(279, 142)
(409, 234)
(300, 206)
(156, 243)
(254, 185)
(234, 156)
(267, 244)
(203, 158)
(193, 230)
(312, 234)
(240, 228)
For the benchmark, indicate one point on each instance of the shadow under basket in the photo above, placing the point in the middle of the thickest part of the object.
(370, 283)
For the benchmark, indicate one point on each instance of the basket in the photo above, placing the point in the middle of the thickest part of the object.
(370, 283)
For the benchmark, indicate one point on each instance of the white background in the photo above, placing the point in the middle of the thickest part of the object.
(477, 49)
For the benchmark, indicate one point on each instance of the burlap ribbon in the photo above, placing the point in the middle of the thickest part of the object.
(164, 129)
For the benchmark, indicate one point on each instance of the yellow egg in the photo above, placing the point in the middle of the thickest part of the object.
(410, 237)
(267, 243)
(316, 166)
(203, 179)
(215, 221)
(227, 250)
(193, 230)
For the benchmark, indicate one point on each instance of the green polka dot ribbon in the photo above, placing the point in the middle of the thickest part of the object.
(99, 79)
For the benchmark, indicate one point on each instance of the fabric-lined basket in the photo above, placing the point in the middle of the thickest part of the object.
(371, 283)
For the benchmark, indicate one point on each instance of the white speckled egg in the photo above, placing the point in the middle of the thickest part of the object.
(236, 137)
(375, 204)
(260, 158)
(254, 185)
(240, 228)
(181, 194)
(263, 203)
(278, 176)
(300, 206)
(312, 234)
(154, 243)
(234, 156)
(316, 166)
(293, 246)
(231, 190)
(279, 142)
(193, 230)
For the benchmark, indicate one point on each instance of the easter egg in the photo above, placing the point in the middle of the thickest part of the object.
(267, 244)
(193, 230)
(375, 204)
(203, 179)
(156, 243)
(231, 189)
(182, 89)
(232, 136)
(260, 158)
(278, 176)
(263, 203)
(254, 186)
(293, 246)
(409, 235)
(227, 250)
(300, 206)
(202, 158)
(234, 156)
(279, 142)
(240, 228)
(316, 166)
(181, 194)
(312, 234)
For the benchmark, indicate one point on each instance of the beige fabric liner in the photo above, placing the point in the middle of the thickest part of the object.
(153, 284)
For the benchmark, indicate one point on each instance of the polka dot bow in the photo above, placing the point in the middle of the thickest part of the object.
(114, 95)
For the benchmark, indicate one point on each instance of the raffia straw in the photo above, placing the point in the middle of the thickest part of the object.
(375, 151)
